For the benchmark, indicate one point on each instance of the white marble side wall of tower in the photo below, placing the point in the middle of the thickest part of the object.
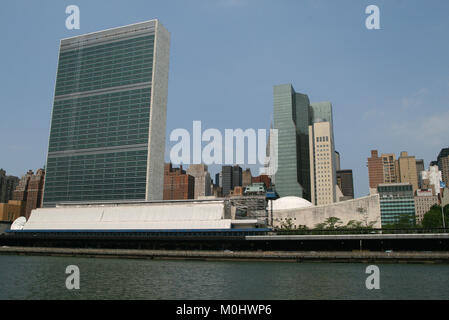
(158, 115)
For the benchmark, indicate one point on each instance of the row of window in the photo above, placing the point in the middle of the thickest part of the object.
(400, 205)
(103, 132)
(108, 170)
(100, 170)
(112, 156)
(132, 121)
(104, 116)
(117, 189)
(322, 139)
(395, 188)
(105, 78)
(97, 182)
(102, 144)
(84, 65)
(97, 189)
(96, 143)
(106, 47)
(77, 68)
(101, 70)
(110, 134)
(110, 97)
(139, 181)
(130, 55)
(114, 159)
(100, 127)
(140, 115)
(119, 57)
(87, 108)
(89, 196)
(126, 106)
(94, 85)
(95, 126)
(100, 104)
(119, 166)
(107, 137)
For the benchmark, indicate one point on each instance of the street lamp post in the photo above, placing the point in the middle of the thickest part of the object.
(442, 188)
(442, 215)
(271, 195)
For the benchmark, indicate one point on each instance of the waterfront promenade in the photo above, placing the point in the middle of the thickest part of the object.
(288, 256)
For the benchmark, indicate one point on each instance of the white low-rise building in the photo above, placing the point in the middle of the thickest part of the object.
(162, 215)
(300, 212)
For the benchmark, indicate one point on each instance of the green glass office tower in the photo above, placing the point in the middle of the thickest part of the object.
(291, 117)
(321, 111)
(293, 113)
(107, 137)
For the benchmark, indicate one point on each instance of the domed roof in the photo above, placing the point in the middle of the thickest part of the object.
(290, 202)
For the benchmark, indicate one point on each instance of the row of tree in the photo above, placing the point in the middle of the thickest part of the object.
(331, 223)
(432, 219)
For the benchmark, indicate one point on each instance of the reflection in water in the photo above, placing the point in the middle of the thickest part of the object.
(35, 277)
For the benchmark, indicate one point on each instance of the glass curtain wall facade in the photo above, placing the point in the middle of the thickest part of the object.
(291, 117)
(293, 113)
(396, 201)
(107, 136)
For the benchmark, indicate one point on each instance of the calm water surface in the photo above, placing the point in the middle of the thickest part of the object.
(41, 277)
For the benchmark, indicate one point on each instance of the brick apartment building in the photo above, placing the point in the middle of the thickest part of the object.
(30, 190)
(177, 184)
(263, 178)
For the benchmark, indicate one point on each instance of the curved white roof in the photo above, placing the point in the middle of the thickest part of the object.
(290, 202)
(18, 223)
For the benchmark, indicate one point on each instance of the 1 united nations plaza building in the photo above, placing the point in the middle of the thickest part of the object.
(107, 136)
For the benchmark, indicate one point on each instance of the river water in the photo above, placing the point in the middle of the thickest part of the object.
(44, 277)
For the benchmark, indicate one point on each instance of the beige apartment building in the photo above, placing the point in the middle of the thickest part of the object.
(322, 164)
(424, 200)
(389, 168)
(202, 180)
(246, 177)
(381, 169)
(406, 170)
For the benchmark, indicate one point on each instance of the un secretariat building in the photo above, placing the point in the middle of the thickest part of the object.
(107, 136)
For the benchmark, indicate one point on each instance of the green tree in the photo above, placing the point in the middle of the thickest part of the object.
(320, 226)
(287, 224)
(330, 223)
(353, 224)
(333, 222)
(366, 224)
(405, 222)
(433, 218)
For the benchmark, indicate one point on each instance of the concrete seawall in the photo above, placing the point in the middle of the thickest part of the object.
(309, 256)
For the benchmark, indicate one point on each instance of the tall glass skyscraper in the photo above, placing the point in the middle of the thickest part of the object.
(293, 113)
(107, 137)
(291, 117)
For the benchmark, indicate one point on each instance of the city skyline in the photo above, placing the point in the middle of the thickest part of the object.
(381, 97)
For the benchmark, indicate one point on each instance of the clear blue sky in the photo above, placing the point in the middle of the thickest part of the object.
(389, 87)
